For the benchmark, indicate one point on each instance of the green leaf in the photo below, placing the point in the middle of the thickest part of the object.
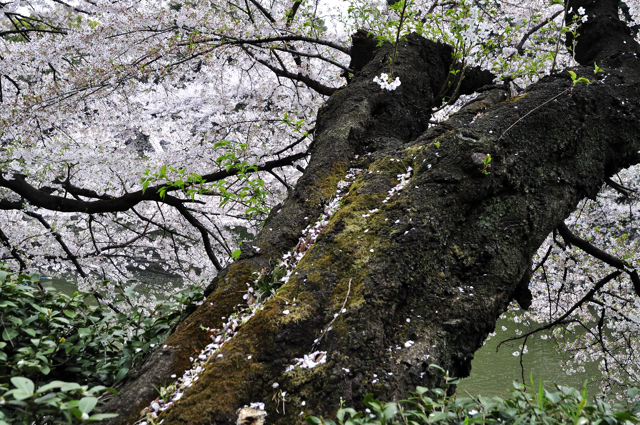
(84, 332)
(51, 385)
(421, 390)
(69, 386)
(235, 254)
(9, 333)
(76, 412)
(390, 410)
(86, 404)
(100, 416)
(8, 304)
(438, 416)
(62, 320)
(596, 69)
(341, 413)
(121, 374)
(23, 384)
(18, 394)
(435, 366)
(3, 275)
(626, 416)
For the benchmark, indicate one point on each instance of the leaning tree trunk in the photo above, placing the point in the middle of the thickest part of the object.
(405, 273)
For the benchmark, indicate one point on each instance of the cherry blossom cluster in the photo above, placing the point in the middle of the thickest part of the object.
(385, 82)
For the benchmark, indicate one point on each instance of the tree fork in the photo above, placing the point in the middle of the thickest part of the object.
(429, 268)
(346, 128)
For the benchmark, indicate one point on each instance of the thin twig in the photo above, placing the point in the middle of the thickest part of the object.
(328, 327)
(531, 111)
(559, 320)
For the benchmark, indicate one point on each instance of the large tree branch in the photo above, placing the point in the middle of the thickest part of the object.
(305, 79)
(223, 39)
(592, 250)
(602, 35)
(264, 11)
(314, 56)
(43, 199)
(601, 255)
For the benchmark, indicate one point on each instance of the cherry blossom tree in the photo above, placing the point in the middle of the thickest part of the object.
(144, 134)
(105, 104)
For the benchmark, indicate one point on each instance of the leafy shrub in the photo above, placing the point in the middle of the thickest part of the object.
(58, 401)
(526, 405)
(47, 337)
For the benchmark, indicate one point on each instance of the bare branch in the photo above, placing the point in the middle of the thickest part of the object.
(308, 81)
(226, 40)
(608, 278)
(203, 232)
(533, 30)
(14, 252)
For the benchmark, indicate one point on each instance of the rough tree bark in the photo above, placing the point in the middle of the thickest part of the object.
(436, 263)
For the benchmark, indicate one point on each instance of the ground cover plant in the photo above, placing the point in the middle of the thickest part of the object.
(531, 404)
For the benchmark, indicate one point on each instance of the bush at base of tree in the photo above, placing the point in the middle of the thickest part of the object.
(526, 405)
(47, 337)
(55, 402)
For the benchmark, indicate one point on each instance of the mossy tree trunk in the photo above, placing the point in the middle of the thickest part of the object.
(434, 263)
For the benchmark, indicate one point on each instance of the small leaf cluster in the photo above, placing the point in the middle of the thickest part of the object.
(389, 26)
(55, 402)
(190, 184)
(576, 80)
(525, 405)
(267, 283)
(295, 124)
(249, 189)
